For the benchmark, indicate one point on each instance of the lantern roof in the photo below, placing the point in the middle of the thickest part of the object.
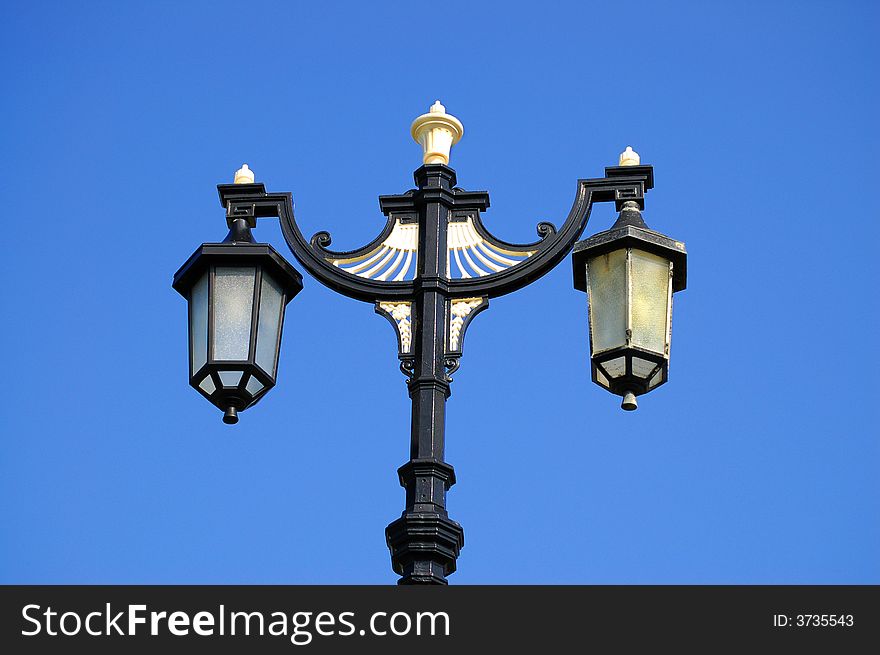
(630, 236)
(238, 254)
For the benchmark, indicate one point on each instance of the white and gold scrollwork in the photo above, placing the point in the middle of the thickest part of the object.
(394, 259)
(400, 314)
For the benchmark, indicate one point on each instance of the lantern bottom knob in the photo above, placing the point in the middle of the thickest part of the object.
(629, 402)
(230, 417)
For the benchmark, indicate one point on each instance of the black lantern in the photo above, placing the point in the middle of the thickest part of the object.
(630, 273)
(237, 291)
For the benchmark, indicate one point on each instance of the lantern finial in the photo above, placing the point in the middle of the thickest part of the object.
(629, 402)
(629, 157)
(243, 175)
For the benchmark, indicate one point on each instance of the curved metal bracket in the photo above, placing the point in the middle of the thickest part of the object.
(320, 241)
(250, 201)
(544, 229)
(621, 184)
(313, 253)
(555, 245)
(461, 312)
(399, 314)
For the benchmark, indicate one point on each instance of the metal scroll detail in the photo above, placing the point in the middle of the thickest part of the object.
(461, 312)
(400, 315)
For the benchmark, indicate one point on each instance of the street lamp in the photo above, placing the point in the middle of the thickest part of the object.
(430, 271)
(630, 273)
(237, 291)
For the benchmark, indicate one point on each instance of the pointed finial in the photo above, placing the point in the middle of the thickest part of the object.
(629, 157)
(243, 175)
(437, 132)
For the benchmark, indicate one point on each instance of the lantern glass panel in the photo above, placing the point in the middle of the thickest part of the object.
(198, 326)
(271, 310)
(650, 280)
(642, 367)
(607, 293)
(254, 386)
(615, 367)
(207, 385)
(230, 378)
(233, 305)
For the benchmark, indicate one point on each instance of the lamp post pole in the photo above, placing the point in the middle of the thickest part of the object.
(424, 542)
(431, 270)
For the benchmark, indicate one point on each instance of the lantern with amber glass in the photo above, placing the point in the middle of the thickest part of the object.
(630, 273)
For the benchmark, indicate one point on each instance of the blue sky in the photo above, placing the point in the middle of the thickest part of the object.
(756, 463)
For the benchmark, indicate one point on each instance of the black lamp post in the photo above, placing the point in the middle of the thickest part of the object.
(430, 271)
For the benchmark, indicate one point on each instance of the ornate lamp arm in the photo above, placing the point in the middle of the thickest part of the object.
(620, 184)
(251, 201)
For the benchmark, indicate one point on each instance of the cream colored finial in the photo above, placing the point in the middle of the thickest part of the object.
(243, 175)
(437, 132)
(629, 157)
